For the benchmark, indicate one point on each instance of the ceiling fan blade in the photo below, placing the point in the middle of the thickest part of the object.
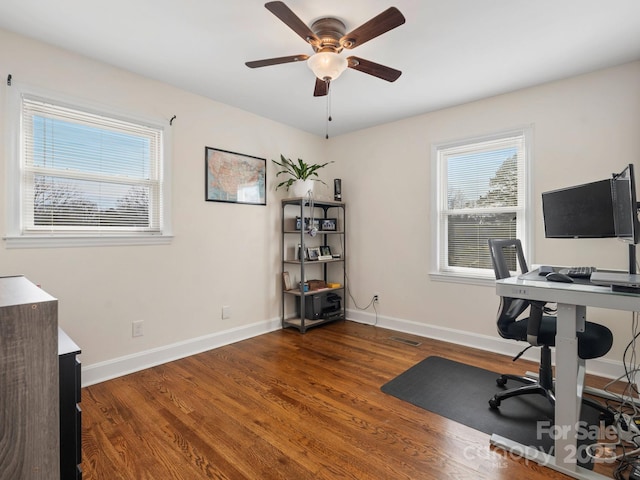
(284, 13)
(322, 88)
(387, 20)
(276, 61)
(366, 66)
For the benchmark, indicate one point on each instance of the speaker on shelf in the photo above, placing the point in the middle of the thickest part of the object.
(337, 189)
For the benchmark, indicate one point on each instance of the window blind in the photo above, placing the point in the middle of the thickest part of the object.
(481, 196)
(83, 172)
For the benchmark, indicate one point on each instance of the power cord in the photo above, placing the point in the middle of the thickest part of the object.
(630, 393)
(372, 302)
(625, 414)
(626, 420)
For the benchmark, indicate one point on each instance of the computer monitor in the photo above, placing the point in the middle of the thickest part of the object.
(625, 211)
(581, 211)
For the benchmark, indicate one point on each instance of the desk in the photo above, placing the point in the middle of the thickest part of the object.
(572, 300)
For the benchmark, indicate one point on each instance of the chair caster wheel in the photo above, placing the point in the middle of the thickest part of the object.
(501, 381)
(494, 403)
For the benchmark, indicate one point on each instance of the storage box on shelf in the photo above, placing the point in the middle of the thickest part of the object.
(313, 260)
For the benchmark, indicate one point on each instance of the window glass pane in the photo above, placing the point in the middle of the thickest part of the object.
(89, 173)
(71, 146)
(480, 195)
(488, 179)
(469, 235)
(64, 202)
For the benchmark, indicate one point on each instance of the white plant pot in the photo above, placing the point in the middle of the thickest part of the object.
(300, 188)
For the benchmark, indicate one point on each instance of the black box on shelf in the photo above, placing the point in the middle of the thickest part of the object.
(320, 305)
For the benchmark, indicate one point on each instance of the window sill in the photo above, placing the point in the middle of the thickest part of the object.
(61, 241)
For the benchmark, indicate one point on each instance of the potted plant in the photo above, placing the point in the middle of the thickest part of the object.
(301, 175)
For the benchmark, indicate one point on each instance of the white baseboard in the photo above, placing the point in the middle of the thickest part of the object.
(99, 372)
(117, 367)
(600, 366)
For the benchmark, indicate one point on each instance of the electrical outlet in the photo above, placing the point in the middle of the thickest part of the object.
(376, 298)
(136, 328)
(226, 312)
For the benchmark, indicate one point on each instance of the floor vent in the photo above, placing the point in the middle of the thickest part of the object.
(406, 341)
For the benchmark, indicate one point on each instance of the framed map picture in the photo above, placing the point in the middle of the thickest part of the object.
(234, 177)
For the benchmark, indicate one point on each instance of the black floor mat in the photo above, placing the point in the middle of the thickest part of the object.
(461, 393)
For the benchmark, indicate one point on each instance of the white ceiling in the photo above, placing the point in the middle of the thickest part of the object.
(450, 51)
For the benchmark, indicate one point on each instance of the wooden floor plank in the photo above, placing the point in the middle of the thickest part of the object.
(290, 406)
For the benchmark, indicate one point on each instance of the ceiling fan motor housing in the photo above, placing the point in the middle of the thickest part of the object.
(329, 31)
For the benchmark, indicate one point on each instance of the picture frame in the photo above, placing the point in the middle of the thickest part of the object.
(307, 222)
(325, 253)
(232, 177)
(313, 253)
(286, 281)
(329, 224)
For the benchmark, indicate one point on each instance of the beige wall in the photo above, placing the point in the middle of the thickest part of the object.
(222, 254)
(584, 129)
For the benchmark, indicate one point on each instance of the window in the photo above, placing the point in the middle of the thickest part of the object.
(86, 177)
(480, 192)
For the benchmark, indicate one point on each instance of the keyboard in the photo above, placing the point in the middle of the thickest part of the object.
(580, 272)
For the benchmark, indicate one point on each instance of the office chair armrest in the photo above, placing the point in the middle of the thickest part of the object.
(534, 322)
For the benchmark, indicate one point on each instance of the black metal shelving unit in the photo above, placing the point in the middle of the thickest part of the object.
(305, 309)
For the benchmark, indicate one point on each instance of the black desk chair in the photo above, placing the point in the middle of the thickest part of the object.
(539, 329)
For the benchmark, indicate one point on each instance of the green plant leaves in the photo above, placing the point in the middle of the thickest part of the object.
(297, 171)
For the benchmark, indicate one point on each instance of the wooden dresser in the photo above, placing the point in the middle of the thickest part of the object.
(29, 401)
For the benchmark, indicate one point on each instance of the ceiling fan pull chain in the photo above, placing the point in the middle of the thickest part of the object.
(329, 119)
(329, 101)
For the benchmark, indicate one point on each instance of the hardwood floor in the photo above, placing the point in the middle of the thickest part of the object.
(290, 406)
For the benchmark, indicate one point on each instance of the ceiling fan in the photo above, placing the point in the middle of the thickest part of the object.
(327, 38)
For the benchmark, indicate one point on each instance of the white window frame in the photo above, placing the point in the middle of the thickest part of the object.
(524, 227)
(17, 236)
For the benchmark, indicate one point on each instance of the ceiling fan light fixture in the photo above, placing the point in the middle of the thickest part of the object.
(327, 65)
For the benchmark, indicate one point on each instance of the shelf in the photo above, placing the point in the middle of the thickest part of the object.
(312, 262)
(317, 202)
(320, 232)
(310, 323)
(296, 291)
